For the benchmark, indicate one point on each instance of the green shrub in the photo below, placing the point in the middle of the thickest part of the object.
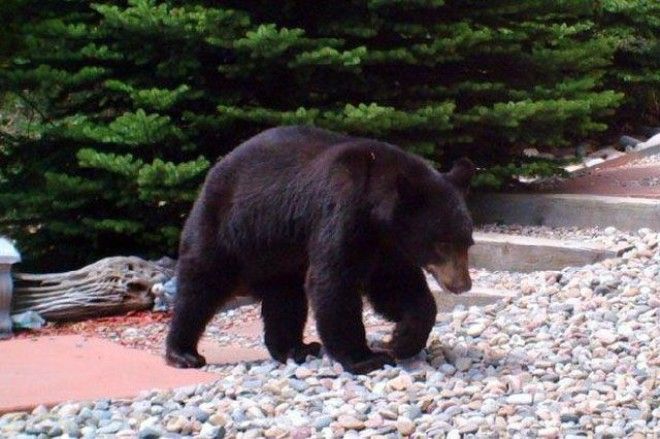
(635, 24)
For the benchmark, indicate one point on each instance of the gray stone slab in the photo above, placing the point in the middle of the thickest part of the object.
(501, 252)
(566, 210)
(648, 151)
(447, 301)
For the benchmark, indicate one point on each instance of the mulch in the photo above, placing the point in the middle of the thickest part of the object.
(92, 327)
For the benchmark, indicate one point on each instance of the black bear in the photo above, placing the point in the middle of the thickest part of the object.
(298, 214)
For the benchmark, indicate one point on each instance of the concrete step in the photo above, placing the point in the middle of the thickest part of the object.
(566, 210)
(502, 252)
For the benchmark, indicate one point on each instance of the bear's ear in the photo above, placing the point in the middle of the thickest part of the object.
(461, 174)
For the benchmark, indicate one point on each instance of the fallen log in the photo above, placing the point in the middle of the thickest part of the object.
(110, 286)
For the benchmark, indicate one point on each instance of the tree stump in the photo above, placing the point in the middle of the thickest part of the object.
(110, 286)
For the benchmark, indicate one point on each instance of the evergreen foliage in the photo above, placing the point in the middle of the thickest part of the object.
(636, 26)
(138, 97)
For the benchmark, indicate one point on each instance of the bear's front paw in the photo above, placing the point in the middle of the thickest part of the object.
(408, 340)
(402, 351)
(403, 347)
(184, 360)
(376, 360)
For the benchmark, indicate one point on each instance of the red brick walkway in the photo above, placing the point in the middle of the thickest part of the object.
(56, 368)
(627, 176)
(50, 370)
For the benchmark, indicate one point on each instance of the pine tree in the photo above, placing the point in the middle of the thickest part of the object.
(635, 24)
(137, 98)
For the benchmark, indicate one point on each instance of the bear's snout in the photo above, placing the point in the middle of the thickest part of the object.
(453, 275)
(459, 287)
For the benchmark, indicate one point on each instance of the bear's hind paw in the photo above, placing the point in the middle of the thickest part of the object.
(300, 353)
(184, 360)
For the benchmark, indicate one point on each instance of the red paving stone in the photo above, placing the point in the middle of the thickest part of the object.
(632, 181)
(223, 355)
(625, 176)
(59, 364)
(54, 369)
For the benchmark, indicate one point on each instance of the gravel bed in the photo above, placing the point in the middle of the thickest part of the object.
(609, 237)
(575, 354)
(151, 336)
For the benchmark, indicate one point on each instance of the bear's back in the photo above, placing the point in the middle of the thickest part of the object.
(264, 192)
(284, 147)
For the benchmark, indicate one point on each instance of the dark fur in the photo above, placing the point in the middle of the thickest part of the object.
(299, 214)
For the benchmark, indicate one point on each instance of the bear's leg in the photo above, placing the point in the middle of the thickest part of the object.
(202, 288)
(338, 311)
(284, 312)
(398, 290)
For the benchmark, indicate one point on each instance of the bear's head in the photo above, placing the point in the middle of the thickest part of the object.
(431, 224)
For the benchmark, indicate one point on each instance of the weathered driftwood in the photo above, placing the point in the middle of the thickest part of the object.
(110, 286)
